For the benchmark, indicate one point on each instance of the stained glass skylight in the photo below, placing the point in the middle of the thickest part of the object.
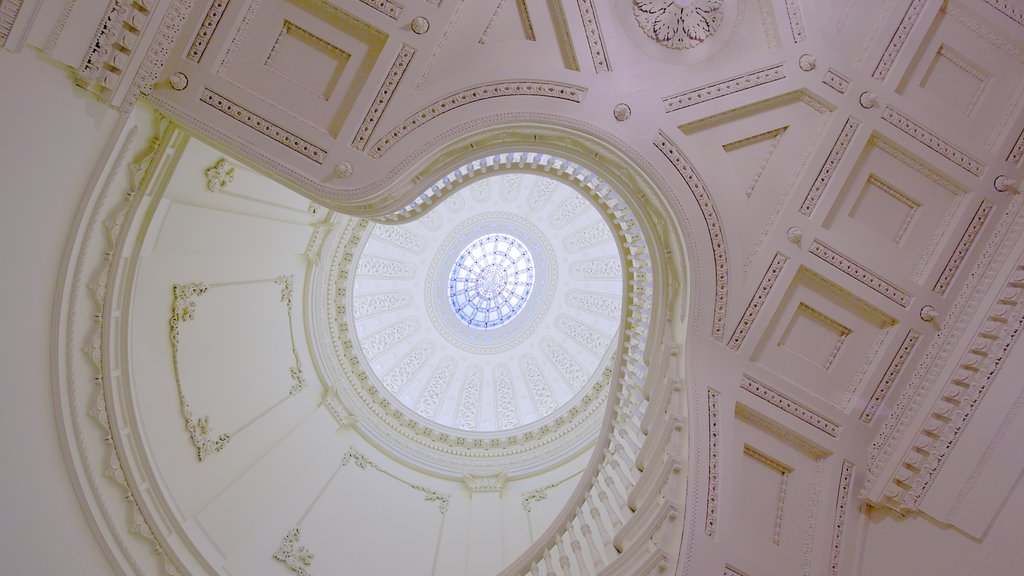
(491, 281)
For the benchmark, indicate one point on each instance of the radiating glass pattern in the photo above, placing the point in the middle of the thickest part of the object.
(491, 281)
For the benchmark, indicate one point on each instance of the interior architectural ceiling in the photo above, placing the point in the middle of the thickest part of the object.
(766, 324)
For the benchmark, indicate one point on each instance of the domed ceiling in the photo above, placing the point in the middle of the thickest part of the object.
(493, 311)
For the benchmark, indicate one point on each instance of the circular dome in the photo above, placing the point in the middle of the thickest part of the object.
(491, 281)
(483, 328)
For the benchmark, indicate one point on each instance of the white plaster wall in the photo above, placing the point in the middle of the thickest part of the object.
(53, 135)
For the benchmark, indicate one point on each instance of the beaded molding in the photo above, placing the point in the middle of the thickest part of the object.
(859, 273)
(898, 39)
(711, 524)
(475, 94)
(207, 30)
(229, 108)
(796, 21)
(1017, 152)
(889, 379)
(842, 501)
(724, 88)
(787, 404)
(700, 193)
(1011, 11)
(926, 137)
(389, 8)
(9, 10)
(836, 81)
(757, 301)
(380, 102)
(966, 241)
(595, 40)
(825, 174)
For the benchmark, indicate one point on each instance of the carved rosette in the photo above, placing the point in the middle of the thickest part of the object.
(678, 24)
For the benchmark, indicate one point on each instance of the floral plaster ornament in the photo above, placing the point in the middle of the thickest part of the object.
(678, 24)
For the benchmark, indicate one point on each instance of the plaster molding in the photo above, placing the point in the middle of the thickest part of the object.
(885, 385)
(790, 406)
(1007, 7)
(829, 167)
(183, 309)
(726, 87)
(556, 90)
(595, 39)
(1017, 152)
(220, 175)
(678, 26)
(842, 501)
(939, 432)
(899, 38)
(9, 10)
(701, 194)
(488, 483)
(260, 124)
(295, 556)
(861, 274)
(207, 29)
(711, 521)
(757, 301)
(389, 8)
(836, 81)
(384, 94)
(796, 21)
(929, 139)
(963, 247)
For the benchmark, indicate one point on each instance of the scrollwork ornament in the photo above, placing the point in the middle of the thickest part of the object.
(296, 557)
(678, 24)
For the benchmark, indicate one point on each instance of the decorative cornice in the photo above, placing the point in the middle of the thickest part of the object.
(159, 50)
(480, 92)
(595, 40)
(711, 523)
(825, 174)
(489, 483)
(926, 137)
(898, 39)
(889, 378)
(966, 388)
(1012, 11)
(387, 90)
(783, 402)
(966, 241)
(707, 204)
(9, 10)
(725, 87)
(268, 128)
(207, 30)
(861, 274)
(842, 501)
(836, 81)
(757, 301)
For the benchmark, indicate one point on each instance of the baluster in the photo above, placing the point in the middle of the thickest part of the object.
(613, 512)
(548, 564)
(575, 546)
(602, 531)
(563, 558)
(595, 552)
(535, 568)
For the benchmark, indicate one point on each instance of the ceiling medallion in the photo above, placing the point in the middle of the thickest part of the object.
(678, 24)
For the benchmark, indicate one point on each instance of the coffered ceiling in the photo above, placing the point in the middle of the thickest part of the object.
(842, 177)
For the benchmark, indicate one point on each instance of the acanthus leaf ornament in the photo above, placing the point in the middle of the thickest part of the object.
(678, 24)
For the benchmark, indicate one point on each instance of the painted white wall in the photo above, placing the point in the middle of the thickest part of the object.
(53, 136)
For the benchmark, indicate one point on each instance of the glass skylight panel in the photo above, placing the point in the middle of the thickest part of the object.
(491, 281)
